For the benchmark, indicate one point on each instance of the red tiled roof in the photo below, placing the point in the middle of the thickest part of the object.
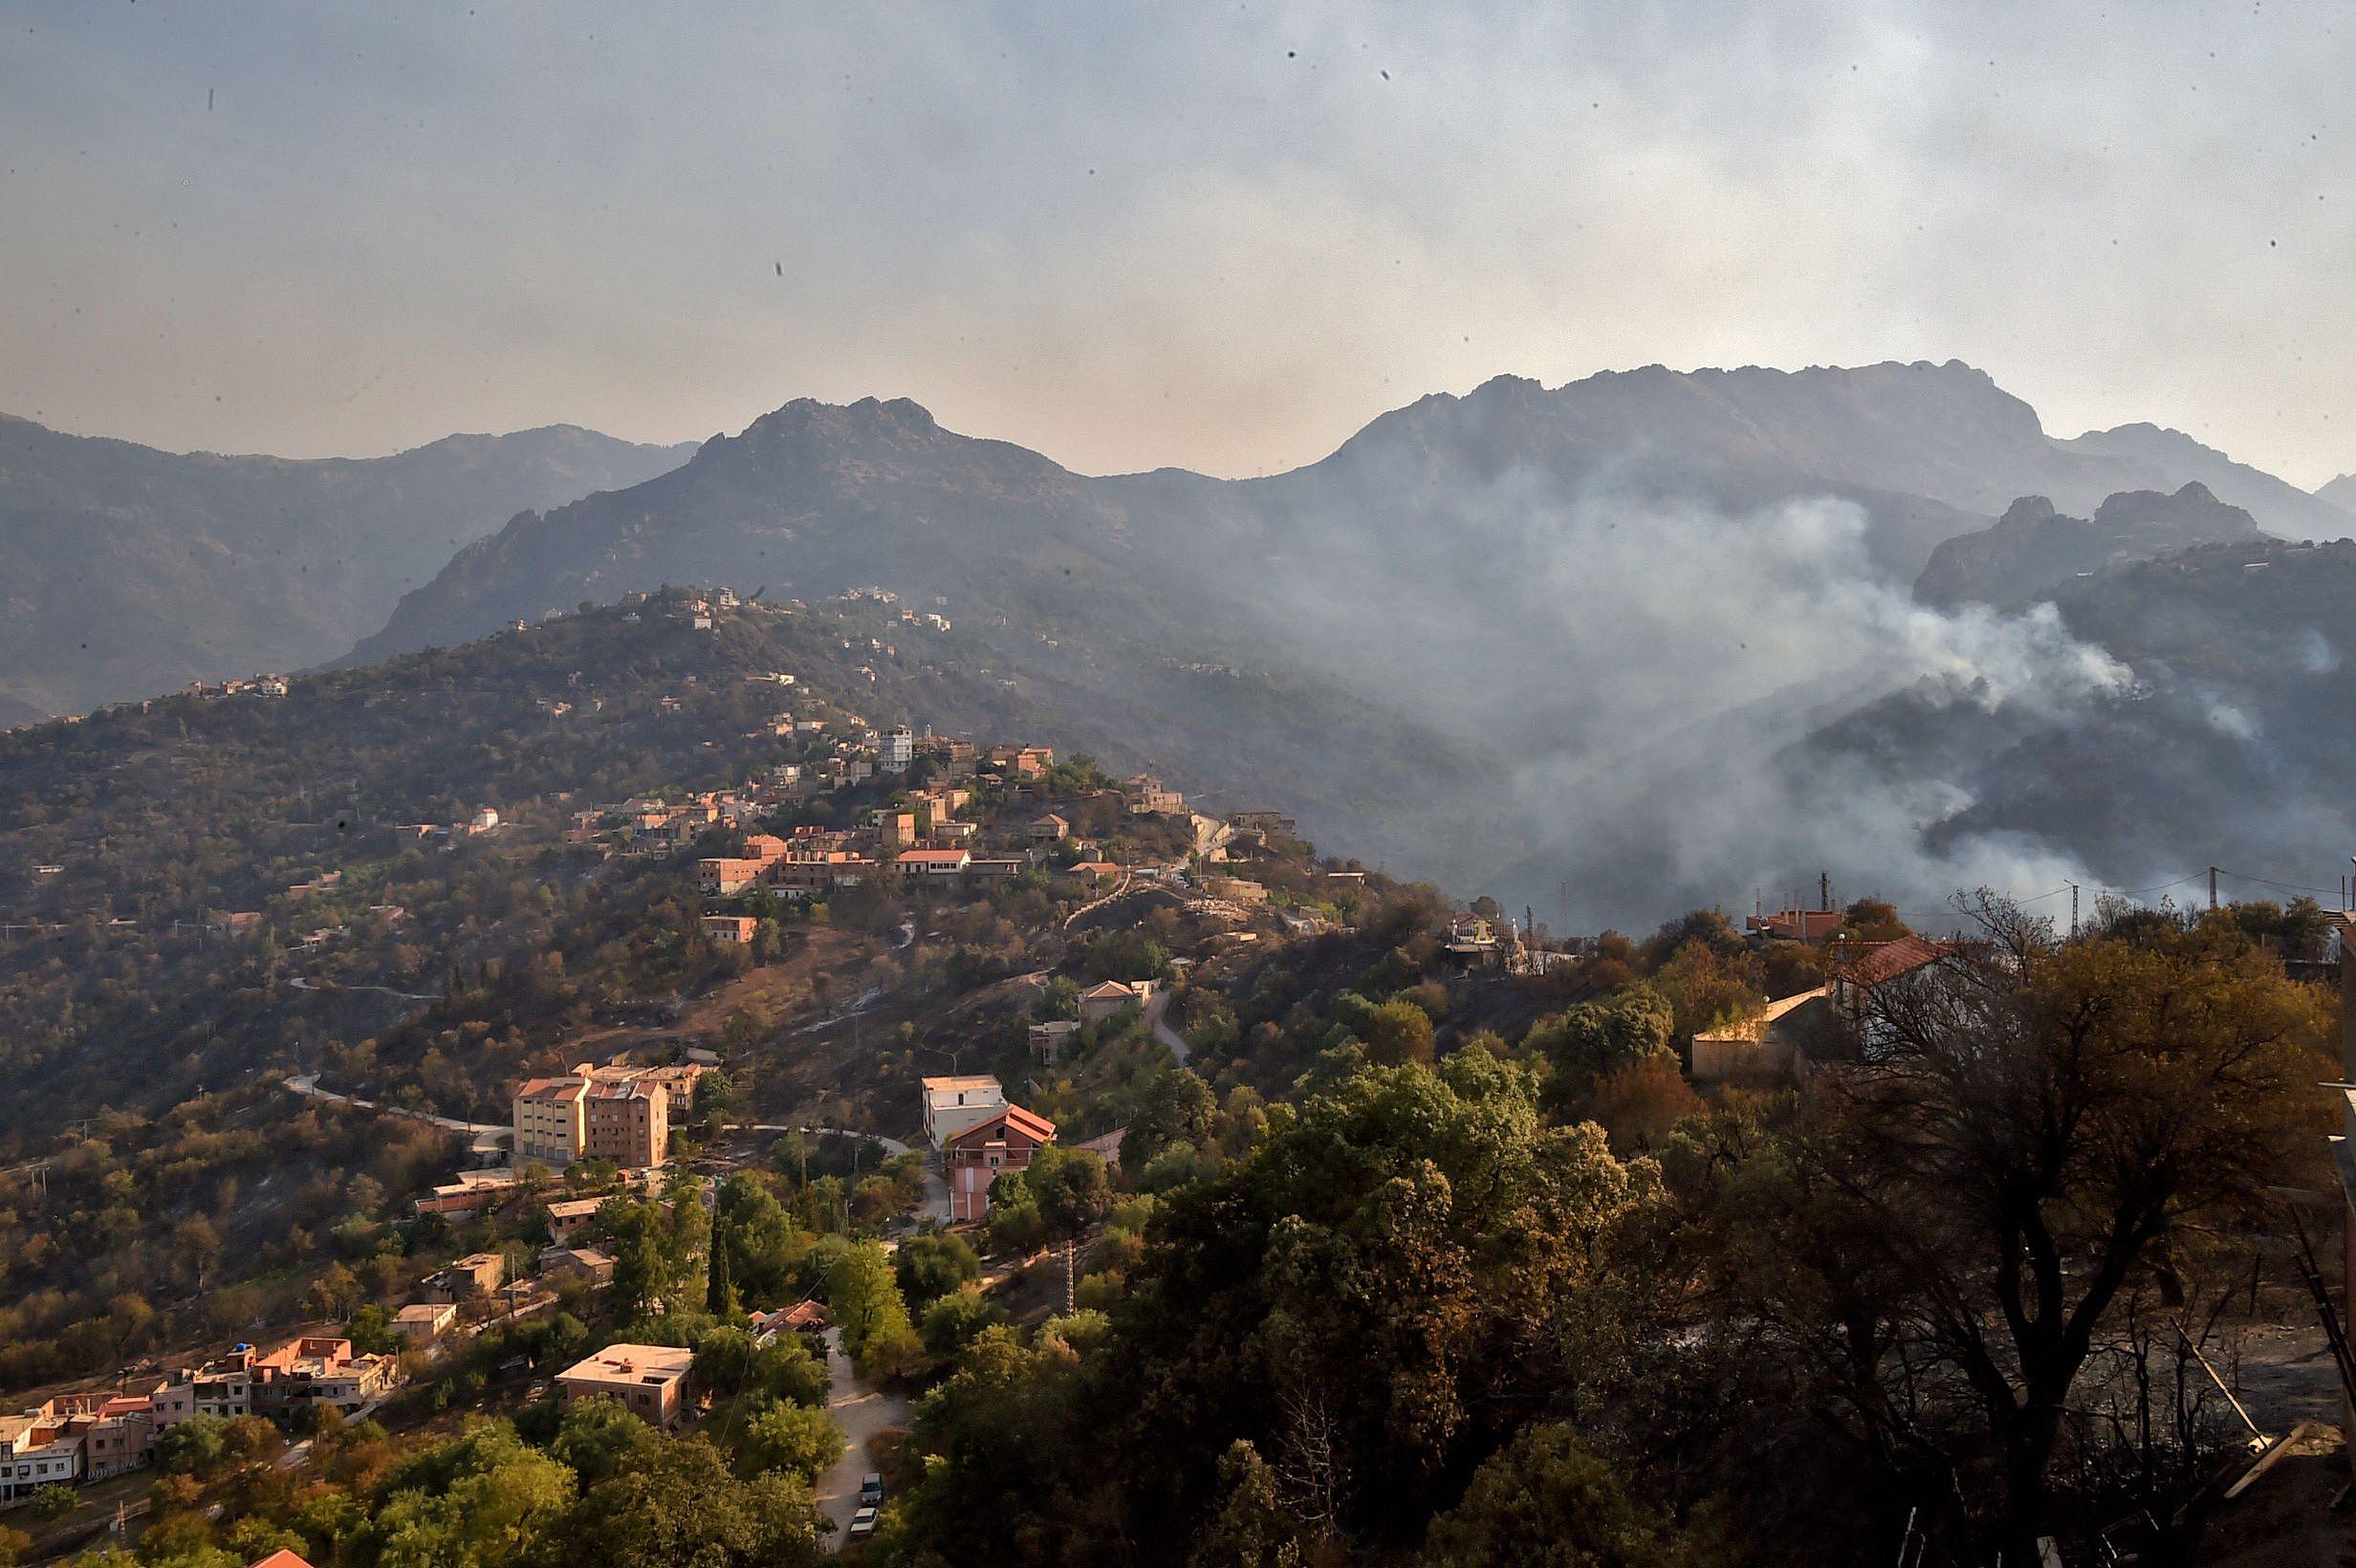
(1030, 1123)
(281, 1558)
(1889, 960)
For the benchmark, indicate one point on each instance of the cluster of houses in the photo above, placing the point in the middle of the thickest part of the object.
(72, 1438)
(921, 834)
(257, 685)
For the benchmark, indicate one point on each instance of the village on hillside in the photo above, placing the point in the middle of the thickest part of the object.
(808, 1082)
(1152, 910)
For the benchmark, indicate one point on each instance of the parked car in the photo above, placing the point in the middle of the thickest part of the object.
(862, 1524)
(871, 1490)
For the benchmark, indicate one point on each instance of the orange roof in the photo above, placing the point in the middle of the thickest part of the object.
(282, 1558)
(1889, 960)
(1030, 1123)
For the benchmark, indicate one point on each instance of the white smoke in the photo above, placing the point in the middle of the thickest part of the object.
(1647, 666)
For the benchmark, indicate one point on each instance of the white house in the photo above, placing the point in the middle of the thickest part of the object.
(952, 1104)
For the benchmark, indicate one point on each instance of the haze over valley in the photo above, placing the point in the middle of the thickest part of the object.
(1292, 785)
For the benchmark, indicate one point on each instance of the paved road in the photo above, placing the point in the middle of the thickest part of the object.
(861, 1413)
(308, 1084)
(1157, 1004)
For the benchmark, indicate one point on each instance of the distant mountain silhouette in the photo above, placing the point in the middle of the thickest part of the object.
(2341, 492)
(814, 497)
(2280, 506)
(132, 571)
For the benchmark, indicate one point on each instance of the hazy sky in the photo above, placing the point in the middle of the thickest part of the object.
(1128, 234)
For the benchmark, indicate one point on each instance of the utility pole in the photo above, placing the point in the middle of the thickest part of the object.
(1071, 1275)
(2213, 887)
(1824, 891)
(2073, 911)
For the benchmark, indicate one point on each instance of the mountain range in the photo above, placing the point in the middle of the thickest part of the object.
(132, 571)
(1644, 640)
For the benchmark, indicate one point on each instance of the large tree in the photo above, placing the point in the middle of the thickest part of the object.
(1401, 1272)
(2037, 1131)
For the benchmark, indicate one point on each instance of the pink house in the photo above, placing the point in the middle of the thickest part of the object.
(1004, 1141)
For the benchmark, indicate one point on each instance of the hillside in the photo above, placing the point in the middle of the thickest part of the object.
(2033, 549)
(158, 821)
(132, 571)
(814, 498)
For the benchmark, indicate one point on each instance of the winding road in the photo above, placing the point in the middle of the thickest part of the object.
(1156, 1006)
(484, 1133)
(861, 1413)
(298, 983)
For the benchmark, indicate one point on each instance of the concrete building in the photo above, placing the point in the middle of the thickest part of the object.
(223, 1386)
(315, 1370)
(1773, 1043)
(952, 1104)
(1051, 1038)
(478, 1274)
(723, 874)
(628, 1122)
(567, 1215)
(37, 1449)
(587, 1263)
(898, 751)
(1809, 925)
(618, 1113)
(975, 1156)
(550, 1121)
(421, 1322)
(649, 1380)
(731, 931)
(1148, 798)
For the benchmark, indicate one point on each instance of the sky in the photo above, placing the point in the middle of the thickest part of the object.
(1220, 235)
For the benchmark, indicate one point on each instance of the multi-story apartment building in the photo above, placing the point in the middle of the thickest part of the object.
(550, 1121)
(623, 1113)
(628, 1122)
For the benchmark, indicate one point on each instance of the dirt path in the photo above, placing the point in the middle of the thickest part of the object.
(861, 1413)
